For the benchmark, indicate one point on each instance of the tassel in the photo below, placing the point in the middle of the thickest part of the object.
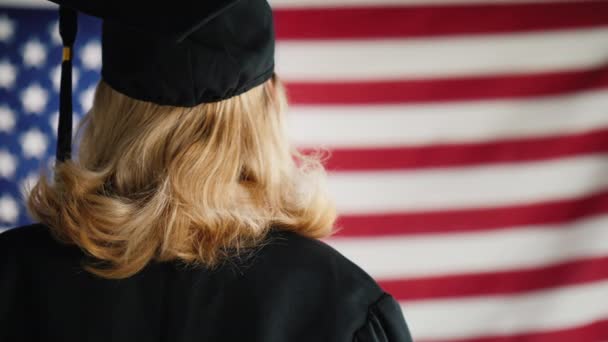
(68, 25)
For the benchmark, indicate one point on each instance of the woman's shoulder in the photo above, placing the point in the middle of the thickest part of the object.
(32, 242)
(21, 237)
(306, 265)
(314, 268)
(297, 252)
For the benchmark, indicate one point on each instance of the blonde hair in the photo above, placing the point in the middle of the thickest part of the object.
(194, 184)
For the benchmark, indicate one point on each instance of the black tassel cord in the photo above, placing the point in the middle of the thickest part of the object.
(68, 25)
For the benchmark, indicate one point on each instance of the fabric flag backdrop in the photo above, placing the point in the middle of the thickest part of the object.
(469, 146)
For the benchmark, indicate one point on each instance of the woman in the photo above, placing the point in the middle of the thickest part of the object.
(187, 215)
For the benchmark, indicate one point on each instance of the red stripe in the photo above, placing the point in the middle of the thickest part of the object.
(425, 21)
(466, 154)
(591, 332)
(449, 89)
(478, 219)
(498, 283)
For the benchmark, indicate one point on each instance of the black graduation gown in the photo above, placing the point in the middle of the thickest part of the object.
(292, 289)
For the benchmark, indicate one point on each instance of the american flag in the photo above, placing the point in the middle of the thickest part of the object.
(469, 144)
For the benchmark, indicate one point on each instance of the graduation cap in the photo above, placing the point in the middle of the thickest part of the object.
(178, 53)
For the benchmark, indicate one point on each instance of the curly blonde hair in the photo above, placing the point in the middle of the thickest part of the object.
(194, 184)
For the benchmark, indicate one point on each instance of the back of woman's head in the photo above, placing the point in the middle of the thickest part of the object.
(171, 183)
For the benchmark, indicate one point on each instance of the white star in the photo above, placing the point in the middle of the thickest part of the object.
(56, 77)
(34, 99)
(8, 75)
(34, 143)
(34, 53)
(7, 29)
(28, 183)
(9, 210)
(91, 55)
(7, 119)
(54, 123)
(8, 164)
(86, 98)
(54, 32)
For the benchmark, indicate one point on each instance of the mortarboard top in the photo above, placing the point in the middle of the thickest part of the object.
(178, 53)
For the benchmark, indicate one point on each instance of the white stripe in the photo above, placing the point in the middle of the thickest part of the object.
(562, 308)
(442, 56)
(366, 3)
(453, 122)
(466, 187)
(440, 254)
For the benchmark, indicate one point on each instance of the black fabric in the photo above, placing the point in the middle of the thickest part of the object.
(291, 289)
(68, 24)
(384, 323)
(184, 52)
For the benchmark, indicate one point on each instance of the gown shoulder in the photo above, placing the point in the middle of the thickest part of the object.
(383, 319)
(385, 323)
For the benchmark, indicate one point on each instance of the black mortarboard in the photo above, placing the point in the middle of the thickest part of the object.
(179, 53)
